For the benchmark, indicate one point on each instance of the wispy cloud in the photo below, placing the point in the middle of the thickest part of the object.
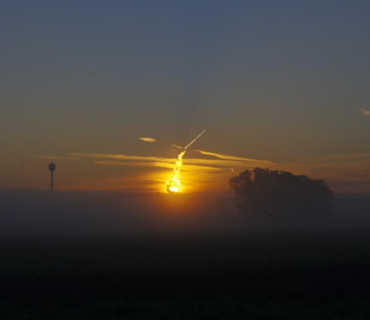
(70, 158)
(148, 139)
(145, 161)
(233, 158)
(207, 173)
(120, 157)
(155, 164)
(365, 112)
(176, 146)
(134, 164)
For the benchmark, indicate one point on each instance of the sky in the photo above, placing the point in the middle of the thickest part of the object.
(277, 84)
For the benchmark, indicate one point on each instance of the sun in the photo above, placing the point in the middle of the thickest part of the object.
(173, 189)
(173, 185)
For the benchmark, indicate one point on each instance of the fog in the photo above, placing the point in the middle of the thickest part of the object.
(83, 214)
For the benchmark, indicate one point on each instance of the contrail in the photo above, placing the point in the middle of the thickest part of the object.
(173, 185)
(195, 139)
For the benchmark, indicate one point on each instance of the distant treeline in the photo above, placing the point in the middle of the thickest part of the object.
(280, 193)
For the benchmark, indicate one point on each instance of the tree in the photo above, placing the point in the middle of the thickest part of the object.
(281, 193)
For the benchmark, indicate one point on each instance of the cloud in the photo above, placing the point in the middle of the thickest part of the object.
(365, 112)
(206, 173)
(185, 167)
(72, 158)
(128, 160)
(147, 139)
(233, 158)
(176, 146)
(120, 157)
(134, 164)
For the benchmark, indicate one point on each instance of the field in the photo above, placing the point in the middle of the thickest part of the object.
(249, 276)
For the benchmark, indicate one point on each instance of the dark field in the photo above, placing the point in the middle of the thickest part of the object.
(255, 276)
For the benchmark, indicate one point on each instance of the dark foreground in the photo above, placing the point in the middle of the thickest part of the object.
(306, 276)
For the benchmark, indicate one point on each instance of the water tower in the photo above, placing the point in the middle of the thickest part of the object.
(52, 167)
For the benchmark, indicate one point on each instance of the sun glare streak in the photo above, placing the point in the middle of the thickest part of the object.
(174, 184)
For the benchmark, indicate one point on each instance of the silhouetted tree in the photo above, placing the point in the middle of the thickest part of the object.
(281, 193)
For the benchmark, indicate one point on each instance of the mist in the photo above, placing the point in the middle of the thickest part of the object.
(37, 214)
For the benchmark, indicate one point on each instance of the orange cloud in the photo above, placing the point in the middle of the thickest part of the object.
(147, 139)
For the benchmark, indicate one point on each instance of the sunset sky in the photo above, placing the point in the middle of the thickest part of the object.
(104, 89)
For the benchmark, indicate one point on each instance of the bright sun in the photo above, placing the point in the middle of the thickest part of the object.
(173, 189)
(173, 186)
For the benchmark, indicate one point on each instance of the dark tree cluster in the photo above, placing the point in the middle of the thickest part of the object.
(281, 193)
